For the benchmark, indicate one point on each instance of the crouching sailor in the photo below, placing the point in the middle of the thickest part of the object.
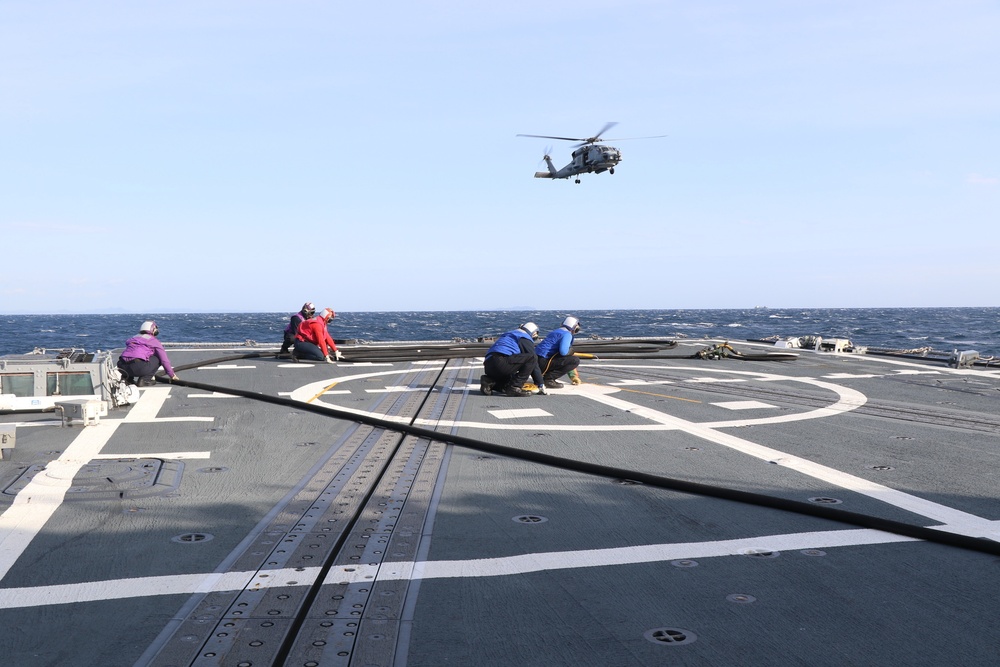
(555, 354)
(313, 340)
(510, 360)
(143, 355)
(294, 322)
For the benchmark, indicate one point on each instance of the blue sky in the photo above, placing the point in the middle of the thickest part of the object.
(248, 155)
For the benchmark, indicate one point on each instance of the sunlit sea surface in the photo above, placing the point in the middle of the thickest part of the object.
(944, 329)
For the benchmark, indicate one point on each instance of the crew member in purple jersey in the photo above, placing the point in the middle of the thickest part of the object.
(292, 328)
(143, 355)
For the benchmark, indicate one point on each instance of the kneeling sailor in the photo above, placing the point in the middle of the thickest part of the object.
(510, 360)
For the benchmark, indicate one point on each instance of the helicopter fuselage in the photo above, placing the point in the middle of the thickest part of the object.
(589, 159)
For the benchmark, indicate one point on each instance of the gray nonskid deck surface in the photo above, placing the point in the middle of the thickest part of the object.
(457, 556)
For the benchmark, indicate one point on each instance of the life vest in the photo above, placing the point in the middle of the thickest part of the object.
(288, 327)
(507, 343)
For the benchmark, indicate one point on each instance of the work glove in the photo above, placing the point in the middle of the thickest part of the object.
(576, 379)
(541, 389)
(329, 359)
(337, 355)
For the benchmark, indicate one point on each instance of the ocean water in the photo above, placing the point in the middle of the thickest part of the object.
(943, 329)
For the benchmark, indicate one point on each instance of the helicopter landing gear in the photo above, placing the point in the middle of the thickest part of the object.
(611, 171)
(578, 181)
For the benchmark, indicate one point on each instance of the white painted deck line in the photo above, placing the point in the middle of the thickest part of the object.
(714, 380)
(214, 394)
(519, 412)
(169, 456)
(117, 589)
(639, 383)
(744, 405)
(223, 367)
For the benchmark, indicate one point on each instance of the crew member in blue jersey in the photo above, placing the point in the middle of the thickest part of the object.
(555, 353)
(510, 360)
(294, 322)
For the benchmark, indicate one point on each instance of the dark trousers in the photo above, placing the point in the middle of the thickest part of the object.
(306, 350)
(555, 367)
(510, 370)
(139, 368)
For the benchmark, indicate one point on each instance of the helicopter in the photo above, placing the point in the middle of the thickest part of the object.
(588, 158)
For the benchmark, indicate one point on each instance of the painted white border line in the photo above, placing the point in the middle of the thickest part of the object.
(169, 456)
(118, 589)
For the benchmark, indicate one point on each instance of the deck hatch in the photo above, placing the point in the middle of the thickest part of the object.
(110, 478)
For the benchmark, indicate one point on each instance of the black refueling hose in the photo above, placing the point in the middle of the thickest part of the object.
(821, 511)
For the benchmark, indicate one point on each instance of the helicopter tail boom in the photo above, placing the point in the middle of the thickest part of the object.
(551, 173)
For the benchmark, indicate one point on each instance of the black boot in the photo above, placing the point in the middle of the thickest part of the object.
(514, 390)
(486, 384)
(552, 383)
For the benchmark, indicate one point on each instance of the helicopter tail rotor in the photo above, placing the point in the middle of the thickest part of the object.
(547, 159)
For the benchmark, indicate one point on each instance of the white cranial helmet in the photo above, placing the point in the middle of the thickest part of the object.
(572, 324)
(530, 328)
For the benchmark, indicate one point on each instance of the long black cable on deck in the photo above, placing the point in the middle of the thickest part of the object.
(822, 511)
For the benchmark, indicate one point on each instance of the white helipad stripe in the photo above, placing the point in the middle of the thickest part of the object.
(169, 456)
(637, 383)
(223, 367)
(494, 567)
(183, 584)
(714, 380)
(743, 405)
(849, 376)
(519, 412)
(117, 589)
(214, 394)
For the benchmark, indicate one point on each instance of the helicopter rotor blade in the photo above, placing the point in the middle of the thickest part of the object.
(597, 137)
(607, 126)
(545, 136)
(655, 136)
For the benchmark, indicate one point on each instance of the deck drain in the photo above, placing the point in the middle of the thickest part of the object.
(901, 437)
(529, 518)
(670, 636)
(192, 538)
(213, 469)
(306, 444)
(761, 553)
(825, 501)
(627, 482)
(882, 468)
(813, 552)
(484, 457)
(684, 562)
(741, 598)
